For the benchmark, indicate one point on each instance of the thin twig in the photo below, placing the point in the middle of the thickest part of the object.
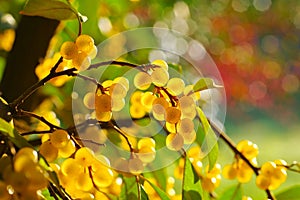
(112, 62)
(40, 118)
(232, 146)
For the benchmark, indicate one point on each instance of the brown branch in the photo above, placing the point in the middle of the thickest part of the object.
(22, 113)
(232, 146)
(112, 62)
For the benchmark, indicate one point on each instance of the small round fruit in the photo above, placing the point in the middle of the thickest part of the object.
(135, 166)
(174, 141)
(68, 50)
(142, 80)
(173, 115)
(59, 138)
(85, 43)
(49, 151)
(103, 103)
(161, 63)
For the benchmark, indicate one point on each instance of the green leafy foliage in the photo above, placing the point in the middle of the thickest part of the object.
(232, 193)
(205, 83)
(8, 130)
(159, 191)
(191, 184)
(53, 9)
(292, 193)
(210, 141)
(130, 189)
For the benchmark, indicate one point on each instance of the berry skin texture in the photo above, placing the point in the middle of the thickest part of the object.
(48, 150)
(135, 166)
(160, 77)
(103, 103)
(59, 138)
(142, 81)
(85, 43)
(174, 141)
(161, 63)
(68, 50)
(248, 149)
(173, 115)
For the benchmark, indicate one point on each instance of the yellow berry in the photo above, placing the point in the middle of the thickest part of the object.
(159, 77)
(85, 43)
(175, 86)
(84, 182)
(103, 103)
(208, 184)
(67, 150)
(84, 156)
(161, 63)
(263, 182)
(68, 50)
(146, 142)
(117, 90)
(27, 152)
(81, 61)
(103, 116)
(142, 81)
(103, 177)
(146, 154)
(59, 138)
(247, 148)
(160, 105)
(89, 100)
(71, 167)
(49, 151)
(173, 115)
(229, 172)
(135, 166)
(174, 141)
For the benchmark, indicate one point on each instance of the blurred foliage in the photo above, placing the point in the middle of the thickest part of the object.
(255, 44)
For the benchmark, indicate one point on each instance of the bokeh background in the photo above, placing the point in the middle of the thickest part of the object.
(254, 43)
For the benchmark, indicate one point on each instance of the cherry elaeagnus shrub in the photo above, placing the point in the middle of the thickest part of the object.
(79, 161)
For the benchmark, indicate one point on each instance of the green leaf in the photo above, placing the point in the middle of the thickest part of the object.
(209, 144)
(159, 191)
(205, 83)
(232, 193)
(292, 193)
(192, 188)
(8, 130)
(52, 9)
(130, 189)
(144, 195)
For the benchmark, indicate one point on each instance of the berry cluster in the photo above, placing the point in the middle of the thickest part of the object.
(57, 144)
(170, 101)
(240, 169)
(110, 98)
(272, 175)
(22, 176)
(78, 54)
(89, 175)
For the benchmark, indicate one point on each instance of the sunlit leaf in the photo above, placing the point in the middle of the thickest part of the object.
(130, 189)
(205, 83)
(8, 130)
(209, 144)
(232, 193)
(159, 191)
(53, 9)
(292, 193)
(192, 188)
(144, 195)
